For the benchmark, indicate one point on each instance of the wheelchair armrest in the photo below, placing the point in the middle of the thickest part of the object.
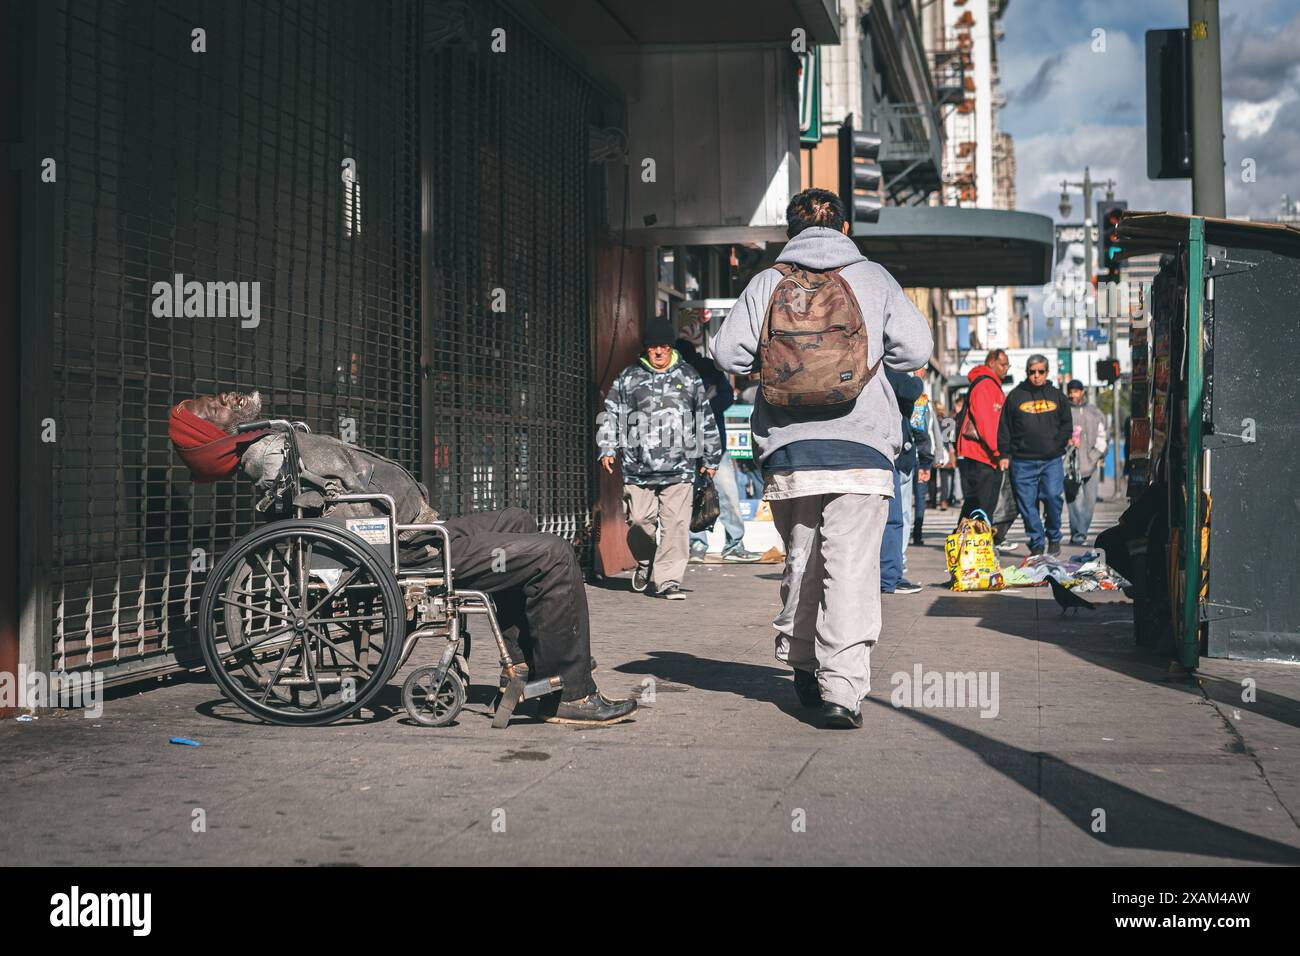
(441, 529)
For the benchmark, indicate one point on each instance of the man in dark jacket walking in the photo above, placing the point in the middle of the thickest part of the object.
(1035, 430)
(658, 414)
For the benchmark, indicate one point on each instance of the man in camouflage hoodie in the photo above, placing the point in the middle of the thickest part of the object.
(657, 413)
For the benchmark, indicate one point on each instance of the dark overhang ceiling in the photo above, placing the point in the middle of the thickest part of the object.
(948, 247)
(636, 22)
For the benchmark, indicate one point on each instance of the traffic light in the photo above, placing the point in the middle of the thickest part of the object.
(1109, 212)
(1108, 370)
(860, 176)
(1169, 104)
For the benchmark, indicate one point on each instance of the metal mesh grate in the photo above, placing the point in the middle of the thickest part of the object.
(221, 166)
(508, 391)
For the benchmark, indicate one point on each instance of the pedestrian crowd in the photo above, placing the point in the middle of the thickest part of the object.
(848, 445)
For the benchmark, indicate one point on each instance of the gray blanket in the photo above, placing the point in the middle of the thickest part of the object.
(331, 467)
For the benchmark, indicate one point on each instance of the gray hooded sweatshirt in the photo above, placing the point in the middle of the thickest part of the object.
(895, 328)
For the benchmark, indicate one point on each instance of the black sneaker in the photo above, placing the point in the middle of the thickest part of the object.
(640, 579)
(740, 555)
(836, 717)
(905, 586)
(594, 709)
(807, 688)
(671, 592)
(1054, 547)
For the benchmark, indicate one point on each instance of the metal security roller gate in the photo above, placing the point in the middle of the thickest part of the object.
(222, 165)
(506, 271)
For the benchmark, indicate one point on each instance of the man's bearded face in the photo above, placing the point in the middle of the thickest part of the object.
(227, 410)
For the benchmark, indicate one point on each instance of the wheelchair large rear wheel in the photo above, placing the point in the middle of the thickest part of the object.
(301, 623)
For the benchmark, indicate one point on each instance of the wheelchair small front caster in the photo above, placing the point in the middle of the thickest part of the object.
(432, 706)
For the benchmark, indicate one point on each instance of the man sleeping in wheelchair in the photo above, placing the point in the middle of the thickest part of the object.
(533, 578)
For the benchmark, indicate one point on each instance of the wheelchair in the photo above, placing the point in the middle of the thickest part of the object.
(306, 619)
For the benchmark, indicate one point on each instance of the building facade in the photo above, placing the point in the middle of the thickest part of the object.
(979, 172)
(438, 219)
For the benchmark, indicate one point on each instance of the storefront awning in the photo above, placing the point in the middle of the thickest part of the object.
(1142, 233)
(928, 247)
(949, 247)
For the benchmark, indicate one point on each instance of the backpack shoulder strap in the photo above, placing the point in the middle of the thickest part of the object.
(966, 415)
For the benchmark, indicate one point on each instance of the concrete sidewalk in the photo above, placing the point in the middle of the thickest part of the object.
(721, 767)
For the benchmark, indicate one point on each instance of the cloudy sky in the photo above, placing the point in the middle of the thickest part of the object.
(1068, 106)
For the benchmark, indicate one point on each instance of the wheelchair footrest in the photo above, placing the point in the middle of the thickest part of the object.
(517, 691)
(540, 688)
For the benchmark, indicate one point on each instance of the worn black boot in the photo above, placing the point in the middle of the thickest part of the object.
(594, 709)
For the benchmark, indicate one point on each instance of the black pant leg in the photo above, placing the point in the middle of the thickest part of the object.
(514, 520)
(540, 571)
(979, 484)
(509, 603)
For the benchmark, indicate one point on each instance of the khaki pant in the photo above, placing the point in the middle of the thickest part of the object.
(667, 507)
(830, 591)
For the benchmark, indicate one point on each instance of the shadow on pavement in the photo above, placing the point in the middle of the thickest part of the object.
(1099, 639)
(385, 705)
(769, 685)
(1133, 820)
(610, 583)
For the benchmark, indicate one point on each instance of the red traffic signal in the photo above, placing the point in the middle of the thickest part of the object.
(1108, 370)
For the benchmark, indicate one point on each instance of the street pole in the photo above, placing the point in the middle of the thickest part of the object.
(1207, 109)
(1087, 258)
(1087, 186)
(1114, 394)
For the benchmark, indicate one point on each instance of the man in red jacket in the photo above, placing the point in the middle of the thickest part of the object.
(978, 457)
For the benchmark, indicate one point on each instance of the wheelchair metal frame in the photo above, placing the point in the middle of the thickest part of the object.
(429, 598)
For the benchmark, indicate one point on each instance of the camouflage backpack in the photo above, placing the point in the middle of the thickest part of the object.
(813, 344)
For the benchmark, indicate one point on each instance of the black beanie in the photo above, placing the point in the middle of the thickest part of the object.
(658, 331)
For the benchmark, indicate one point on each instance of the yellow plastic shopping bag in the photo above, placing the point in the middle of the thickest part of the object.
(972, 560)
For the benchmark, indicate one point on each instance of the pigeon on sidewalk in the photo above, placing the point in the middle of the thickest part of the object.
(1066, 599)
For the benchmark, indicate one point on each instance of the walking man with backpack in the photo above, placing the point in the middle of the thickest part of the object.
(818, 327)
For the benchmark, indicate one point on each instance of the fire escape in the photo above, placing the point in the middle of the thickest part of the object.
(962, 142)
(919, 88)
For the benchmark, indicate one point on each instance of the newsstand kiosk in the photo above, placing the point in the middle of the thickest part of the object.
(1213, 528)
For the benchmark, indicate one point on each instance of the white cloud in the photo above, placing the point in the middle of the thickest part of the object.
(1083, 87)
(1255, 119)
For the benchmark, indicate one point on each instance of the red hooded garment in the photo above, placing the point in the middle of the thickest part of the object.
(208, 452)
(984, 405)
